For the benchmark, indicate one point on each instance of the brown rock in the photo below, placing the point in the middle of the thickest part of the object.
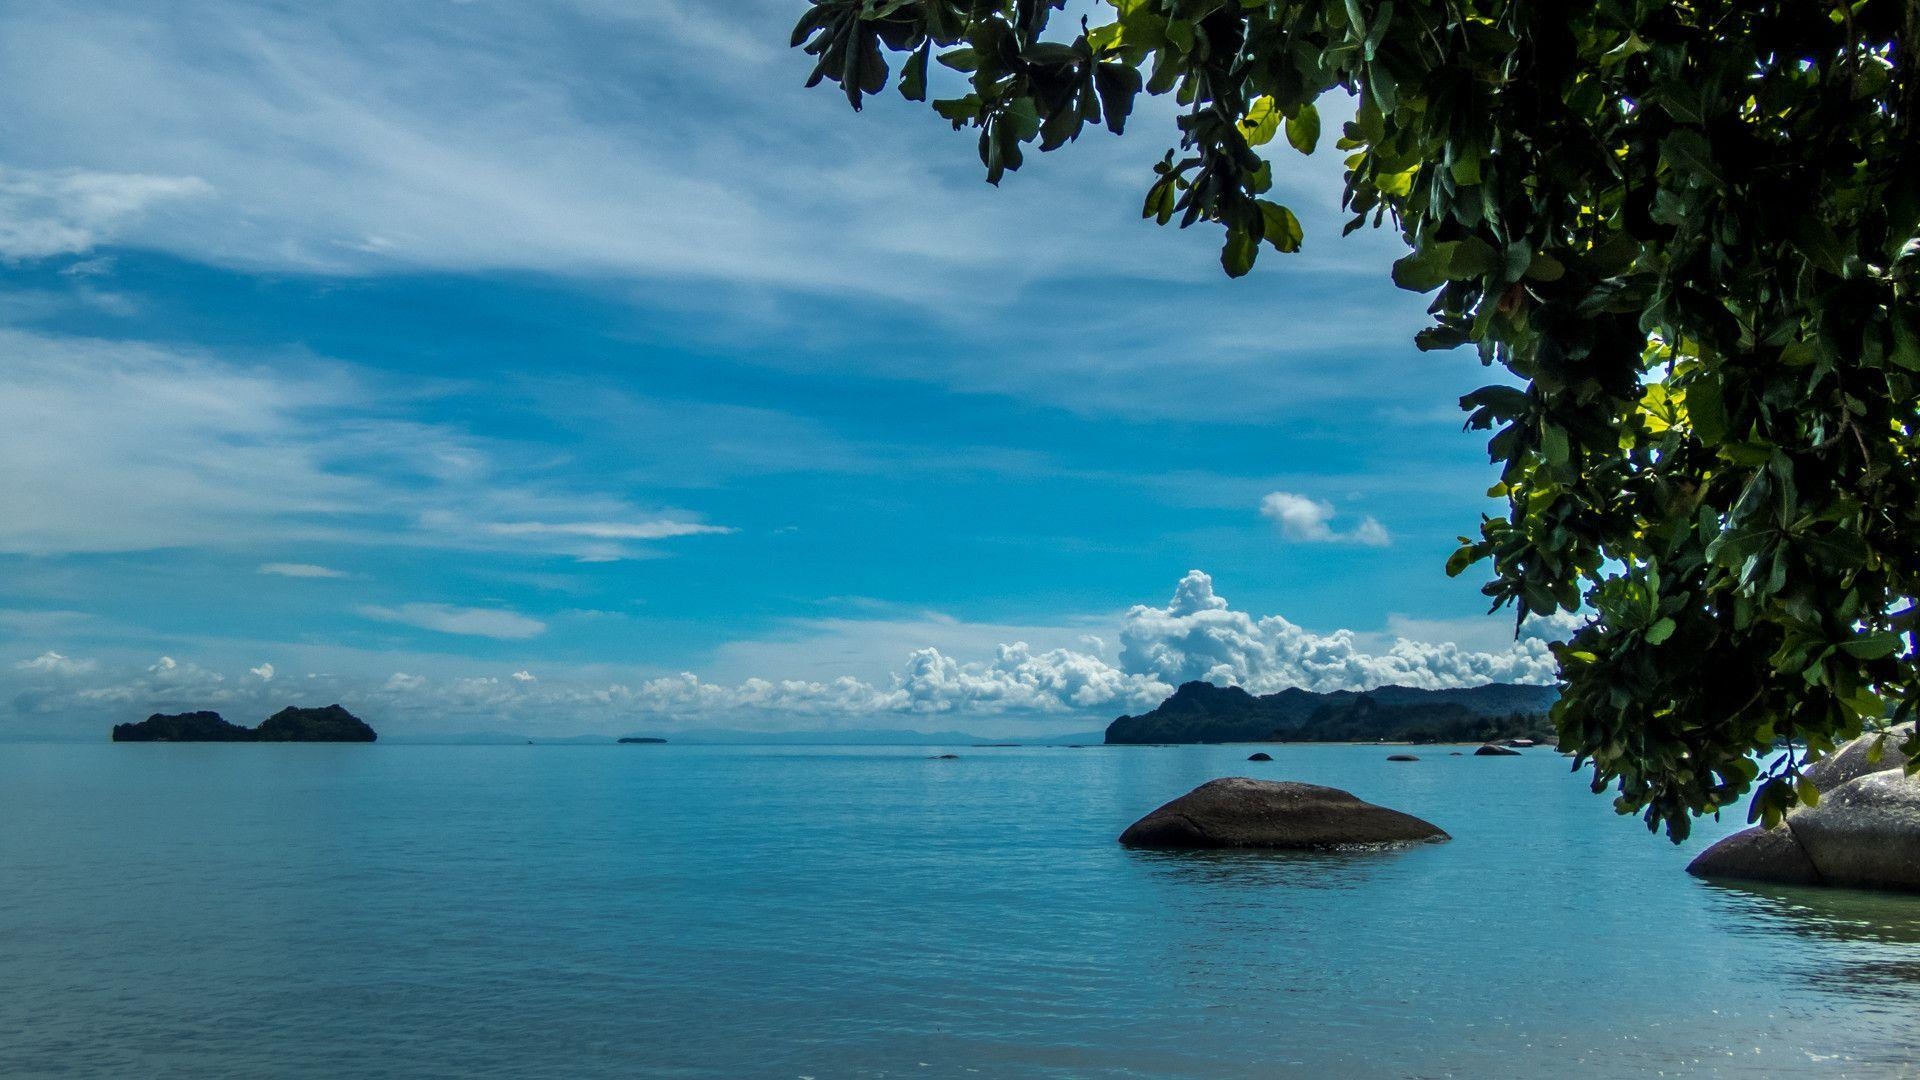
(1237, 812)
(1757, 854)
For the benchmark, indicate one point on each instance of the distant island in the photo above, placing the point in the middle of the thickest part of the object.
(639, 739)
(1200, 712)
(331, 724)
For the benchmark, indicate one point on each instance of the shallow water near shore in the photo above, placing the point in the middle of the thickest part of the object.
(685, 911)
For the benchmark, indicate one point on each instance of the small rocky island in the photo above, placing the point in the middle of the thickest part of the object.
(331, 724)
(632, 740)
(1200, 712)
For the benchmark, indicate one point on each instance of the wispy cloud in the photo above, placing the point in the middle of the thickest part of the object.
(68, 211)
(608, 530)
(128, 446)
(446, 619)
(301, 570)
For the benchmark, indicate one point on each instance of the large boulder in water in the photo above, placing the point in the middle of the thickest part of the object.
(1238, 812)
(1261, 755)
(1866, 832)
(1757, 854)
(1491, 750)
(1850, 762)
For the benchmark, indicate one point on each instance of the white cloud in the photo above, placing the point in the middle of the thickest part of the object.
(1310, 521)
(69, 211)
(264, 672)
(53, 663)
(446, 619)
(525, 677)
(301, 570)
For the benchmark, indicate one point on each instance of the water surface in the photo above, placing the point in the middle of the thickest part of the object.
(723, 912)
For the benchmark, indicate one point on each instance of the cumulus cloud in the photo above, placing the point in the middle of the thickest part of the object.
(1311, 521)
(69, 211)
(54, 663)
(1198, 635)
(525, 677)
(495, 623)
(301, 570)
(264, 672)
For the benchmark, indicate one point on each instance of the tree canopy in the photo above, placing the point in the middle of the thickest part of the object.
(1687, 229)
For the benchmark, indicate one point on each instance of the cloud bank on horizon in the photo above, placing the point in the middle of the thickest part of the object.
(1196, 635)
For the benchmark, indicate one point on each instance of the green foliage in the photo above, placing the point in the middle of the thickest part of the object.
(1688, 231)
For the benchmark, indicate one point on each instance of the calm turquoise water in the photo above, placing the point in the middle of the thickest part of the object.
(326, 911)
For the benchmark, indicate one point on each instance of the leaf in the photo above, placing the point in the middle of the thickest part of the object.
(1281, 227)
(1689, 152)
(1303, 128)
(913, 74)
(1261, 123)
(1237, 255)
(1473, 258)
(1659, 632)
(1425, 269)
(1874, 646)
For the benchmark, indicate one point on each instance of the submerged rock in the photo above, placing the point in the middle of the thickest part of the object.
(1491, 750)
(1757, 854)
(1238, 812)
(1261, 756)
(1403, 757)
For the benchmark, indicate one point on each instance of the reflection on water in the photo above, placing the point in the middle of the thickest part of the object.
(1877, 933)
(1244, 868)
(1847, 915)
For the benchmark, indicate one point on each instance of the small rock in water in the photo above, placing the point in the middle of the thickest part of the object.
(1238, 812)
(1402, 757)
(946, 757)
(1260, 756)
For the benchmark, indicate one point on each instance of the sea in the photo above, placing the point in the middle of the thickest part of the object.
(681, 911)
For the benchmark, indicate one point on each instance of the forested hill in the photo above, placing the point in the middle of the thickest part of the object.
(1200, 712)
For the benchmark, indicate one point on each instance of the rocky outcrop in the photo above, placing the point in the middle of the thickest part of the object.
(1238, 812)
(1402, 757)
(1260, 756)
(1853, 760)
(639, 740)
(1491, 750)
(1756, 854)
(331, 724)
(1864, 833)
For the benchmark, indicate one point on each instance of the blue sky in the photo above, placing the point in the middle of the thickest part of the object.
(567, 367)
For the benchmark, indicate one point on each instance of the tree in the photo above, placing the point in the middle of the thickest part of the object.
(1688, 231)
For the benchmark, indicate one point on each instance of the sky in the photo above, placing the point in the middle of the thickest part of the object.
(567, 367)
